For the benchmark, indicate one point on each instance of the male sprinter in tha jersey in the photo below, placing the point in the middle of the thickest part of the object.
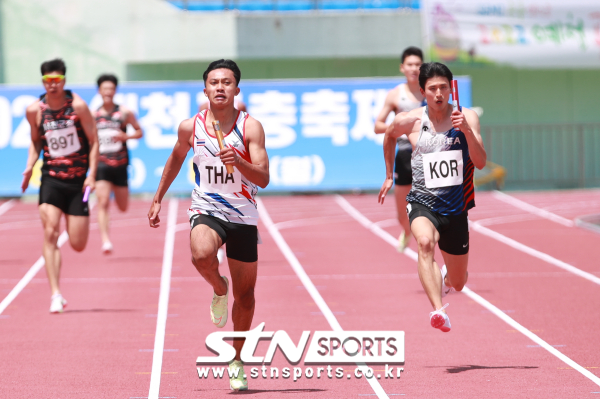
(63, 127)
(223, 206)
(446, 146)
(403, 98)
(111, 121)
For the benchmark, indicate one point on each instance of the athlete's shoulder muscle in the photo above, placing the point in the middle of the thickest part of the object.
(79, 105)
(472, 118)
(33, 109)
(34, 117)
(186, 132)
(254, 131)
(392, 97)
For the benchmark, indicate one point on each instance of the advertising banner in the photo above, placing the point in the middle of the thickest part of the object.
(319, 133)
(532, 34)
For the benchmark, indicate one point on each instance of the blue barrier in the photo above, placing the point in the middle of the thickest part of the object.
(292, 5)
(319, 133)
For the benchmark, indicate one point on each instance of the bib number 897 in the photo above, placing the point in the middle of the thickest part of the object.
(61, 141)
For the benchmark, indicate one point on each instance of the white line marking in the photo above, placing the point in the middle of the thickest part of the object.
(163, 300)
(506, 219)
(182, 227)
(508, 320)
(477, 298)
(308, 222)
(517, 203)
(33, 270)
(533, 252)
(378, 231)
(310, 287)
(387, 223)
(6, 206)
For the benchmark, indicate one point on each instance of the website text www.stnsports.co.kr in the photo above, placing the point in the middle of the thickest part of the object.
(384, 348)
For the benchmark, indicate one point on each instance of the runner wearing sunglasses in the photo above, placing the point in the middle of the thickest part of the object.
(63, 127)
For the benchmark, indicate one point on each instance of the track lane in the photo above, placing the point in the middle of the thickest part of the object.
(531, 294)
(92, 349)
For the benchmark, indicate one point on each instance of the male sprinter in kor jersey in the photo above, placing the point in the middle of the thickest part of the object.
(403, 98)
(223, 207)
(111, 121)
(61, 125)
(446, 146)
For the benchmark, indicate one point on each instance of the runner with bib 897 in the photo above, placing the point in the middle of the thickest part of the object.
(446, 148)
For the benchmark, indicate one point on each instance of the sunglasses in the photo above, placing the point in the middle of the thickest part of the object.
(53, 78)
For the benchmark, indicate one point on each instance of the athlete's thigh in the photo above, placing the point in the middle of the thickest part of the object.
(121, 197)
(456, 265)
(50, 216)
(78, 228)
(204, 242)
(103, 189)
(243, 276)
(421, 226)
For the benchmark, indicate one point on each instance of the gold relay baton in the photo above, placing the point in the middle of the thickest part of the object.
(219, 134)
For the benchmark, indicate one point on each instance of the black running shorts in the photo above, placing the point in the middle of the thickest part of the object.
(241, 239)
(65, 196)
(453, 229)
(402, 168)
(116, 175)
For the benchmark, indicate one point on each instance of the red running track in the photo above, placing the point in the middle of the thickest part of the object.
(102, 346)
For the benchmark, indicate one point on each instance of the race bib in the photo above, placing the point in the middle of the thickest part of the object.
(62, 142)
(214, 177)
(443, 169)
(108, 140)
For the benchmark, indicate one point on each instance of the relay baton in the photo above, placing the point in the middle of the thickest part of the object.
(219, 134)
(86, 194)
(455, 103)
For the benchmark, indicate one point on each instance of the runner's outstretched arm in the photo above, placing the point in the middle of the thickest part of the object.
(388, 106)
(172, 168)
(36, 143)
(132, 120)
(404, 123)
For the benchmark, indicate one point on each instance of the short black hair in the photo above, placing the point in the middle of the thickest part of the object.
(432, 69)
(108, 77)
(227, 64)
(54, 65)
(411, 51)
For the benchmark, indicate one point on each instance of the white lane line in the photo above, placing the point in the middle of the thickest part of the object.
(506, 219)
(163, 300)
(533, 252)
(310, 287)
(517, 203)
(477, 298)
(33, 270)
(510, 321)
(308, 222)
(375, 228)
(6, 206)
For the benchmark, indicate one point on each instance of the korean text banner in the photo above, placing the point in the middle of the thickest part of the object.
(533, 34)
(319, 133)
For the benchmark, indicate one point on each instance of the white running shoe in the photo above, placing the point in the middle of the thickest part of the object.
(403, 241)
(220, 255)
(57, 303)
(445, 289)
(218, 307)
(107, 248)
(439, 319)
(237, 379)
